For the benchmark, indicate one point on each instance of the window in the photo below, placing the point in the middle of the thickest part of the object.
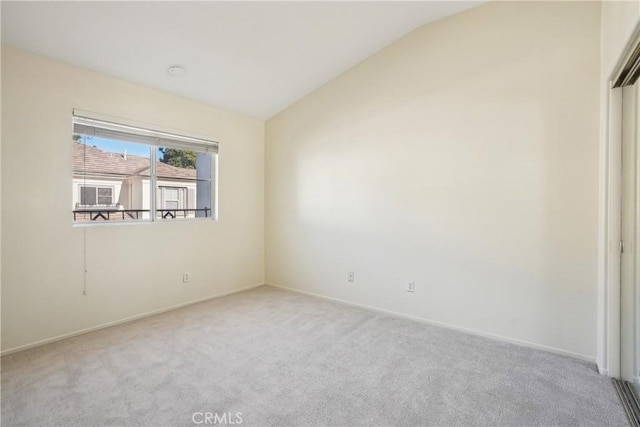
(127, 173)
(176, 199)
(92, 195)
(172, 197)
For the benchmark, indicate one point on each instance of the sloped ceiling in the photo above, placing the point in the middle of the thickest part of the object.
(255, 58)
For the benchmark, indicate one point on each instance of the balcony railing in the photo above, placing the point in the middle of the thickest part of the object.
(109, 213)
(180, 213)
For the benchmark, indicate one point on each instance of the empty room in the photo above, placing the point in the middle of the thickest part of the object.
(320, 213)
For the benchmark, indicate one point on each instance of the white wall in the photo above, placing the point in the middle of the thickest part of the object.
(464, 157)
(132, 269)
(619, 19)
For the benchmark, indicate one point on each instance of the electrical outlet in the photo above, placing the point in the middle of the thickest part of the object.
(411, 286)
(185, 277)
(351, 276)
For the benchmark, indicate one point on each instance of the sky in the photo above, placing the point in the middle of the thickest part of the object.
(118, 147)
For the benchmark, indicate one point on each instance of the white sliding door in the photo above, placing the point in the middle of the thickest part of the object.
(630, 259)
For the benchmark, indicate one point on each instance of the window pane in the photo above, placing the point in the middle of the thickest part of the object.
(105, 196)
(111, 180)
(204, 203)
(114, 177)
(184, 183)
(87, 195)
(171, 194)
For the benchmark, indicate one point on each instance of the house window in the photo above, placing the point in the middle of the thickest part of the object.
(126, 173)
(173, 198)
(91, 195)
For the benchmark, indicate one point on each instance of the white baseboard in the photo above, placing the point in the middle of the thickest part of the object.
(447, 325)
(125, 320)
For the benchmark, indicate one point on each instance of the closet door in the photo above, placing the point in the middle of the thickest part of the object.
(630, 261)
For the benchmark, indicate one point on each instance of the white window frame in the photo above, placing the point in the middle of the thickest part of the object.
(153, 137)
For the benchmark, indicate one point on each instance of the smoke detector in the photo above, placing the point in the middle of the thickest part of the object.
(176, 71)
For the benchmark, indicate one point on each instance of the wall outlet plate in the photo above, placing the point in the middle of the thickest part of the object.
(351, 276)
(185, 277)
(411, 286)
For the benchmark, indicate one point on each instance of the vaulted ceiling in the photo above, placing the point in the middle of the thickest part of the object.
(255, 58)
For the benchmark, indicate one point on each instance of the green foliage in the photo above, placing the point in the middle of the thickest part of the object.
(178, 158)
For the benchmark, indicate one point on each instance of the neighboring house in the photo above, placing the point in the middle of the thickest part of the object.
(108, 182)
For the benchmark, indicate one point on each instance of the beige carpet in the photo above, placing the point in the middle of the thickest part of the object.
(284, 359)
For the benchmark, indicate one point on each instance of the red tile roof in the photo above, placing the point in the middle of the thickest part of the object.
(88, 159)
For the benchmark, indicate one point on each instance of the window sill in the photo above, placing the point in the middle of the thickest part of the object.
(139, 222)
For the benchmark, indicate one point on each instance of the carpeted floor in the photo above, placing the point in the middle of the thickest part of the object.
(285, 359)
